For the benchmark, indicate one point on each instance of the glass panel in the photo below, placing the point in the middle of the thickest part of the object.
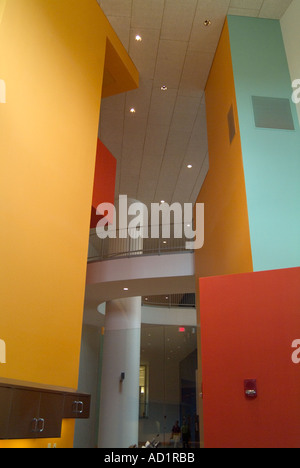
(169, 364)
(143, 392)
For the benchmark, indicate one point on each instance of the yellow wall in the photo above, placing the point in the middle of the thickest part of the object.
(65, 441)
(227, 247)
(52, 55)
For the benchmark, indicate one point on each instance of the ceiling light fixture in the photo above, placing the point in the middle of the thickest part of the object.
(162, 201)
(138, 38)
(207, 23)
(125, 289)
(164, 88)
(189, 166)
(132, 110)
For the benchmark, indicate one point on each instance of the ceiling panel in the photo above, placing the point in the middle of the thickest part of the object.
(184, 185)
(244, 12)
(195, 72)
(248, 4)
(129, 184)
(129, 179)
(149, 174)
(245, 7)
(144, 54)
(177, 145)
(113, 104)
(156, 139)
(204, 38)
(274, 8)
(178, 19)
(134, 134)
(162, 106)
(147, 14)
(185, 113)
(169, 65)
(174, 154)
(139, 100)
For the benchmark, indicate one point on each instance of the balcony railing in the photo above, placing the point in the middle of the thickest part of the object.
(170, 300)
(124, 245)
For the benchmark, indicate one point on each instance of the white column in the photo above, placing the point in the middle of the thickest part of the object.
(119, 404)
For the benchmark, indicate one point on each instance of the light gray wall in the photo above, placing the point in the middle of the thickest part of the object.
(89, 382)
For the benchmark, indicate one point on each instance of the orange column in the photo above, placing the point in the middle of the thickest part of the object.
(53, 56)
(227, 246)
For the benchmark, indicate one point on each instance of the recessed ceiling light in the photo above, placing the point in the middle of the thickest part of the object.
(162, 201)
(132, 110)
(138, 38)
(125, 289)
(164, 88)
(207, 23)
(189, 166)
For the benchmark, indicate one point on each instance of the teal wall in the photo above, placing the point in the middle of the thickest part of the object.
(271, 157)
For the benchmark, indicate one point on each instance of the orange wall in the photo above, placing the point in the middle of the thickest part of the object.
(52, 56)
(105, 176)
(248, 325)
(105, 180)
(227, 247)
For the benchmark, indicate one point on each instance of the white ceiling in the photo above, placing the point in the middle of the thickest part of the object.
(167, 132)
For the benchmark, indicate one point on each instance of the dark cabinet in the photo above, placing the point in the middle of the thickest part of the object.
(5, 405)
(51, 412)
(30, 413)
(35, 414)
(77, 406)
(24, 411)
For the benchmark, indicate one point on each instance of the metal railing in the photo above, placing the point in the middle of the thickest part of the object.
(122, 244)
(170, 300)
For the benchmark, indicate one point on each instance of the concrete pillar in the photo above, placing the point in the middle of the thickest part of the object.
(119, 404)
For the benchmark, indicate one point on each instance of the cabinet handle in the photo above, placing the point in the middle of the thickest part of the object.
(74, 407)
(41, 425)
(80, 407)
(77, 407)
(34, 423)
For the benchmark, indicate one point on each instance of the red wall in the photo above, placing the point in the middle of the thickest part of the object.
(105, 180)
(248, 325)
